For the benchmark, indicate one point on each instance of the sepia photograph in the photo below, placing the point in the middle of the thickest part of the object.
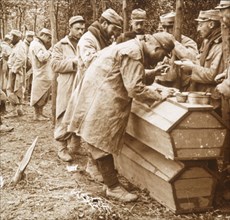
(114, 109)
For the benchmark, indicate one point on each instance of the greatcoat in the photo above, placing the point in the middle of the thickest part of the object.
(99, 108)
(42, 73)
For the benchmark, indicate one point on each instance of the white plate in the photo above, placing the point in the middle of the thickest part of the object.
(178, 62)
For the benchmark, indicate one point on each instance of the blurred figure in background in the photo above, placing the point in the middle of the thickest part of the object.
(42, 73)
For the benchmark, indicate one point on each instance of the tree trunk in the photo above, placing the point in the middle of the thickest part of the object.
(125, 18)
(225, 31)
(176, 72)
(94, 8)
(54, 41)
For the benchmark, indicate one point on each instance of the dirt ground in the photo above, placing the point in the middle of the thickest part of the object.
(52, 189)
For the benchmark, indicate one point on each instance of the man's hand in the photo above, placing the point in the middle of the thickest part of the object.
(185, 65)
(165, 93)
(220, 77)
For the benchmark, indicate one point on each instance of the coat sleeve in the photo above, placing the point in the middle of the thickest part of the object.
(224, 87)
(186, 49)
(41, 53)
(132, 72)
(206, 75)
(87, 51)
(60, 63)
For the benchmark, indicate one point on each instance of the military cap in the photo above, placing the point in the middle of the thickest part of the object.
(8, 36)
(165, 40)
(76, 19)
(223, 4)
(113, 17)
(45, 31)
(30, 33)
(138, 14)
(16, 33)
(209, 15)
(168, 19)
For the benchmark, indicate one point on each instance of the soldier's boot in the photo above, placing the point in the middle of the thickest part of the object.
(20, 110)
(112, 186)
(38, 116)
(63, 152)
(12, 113)
(92, 170)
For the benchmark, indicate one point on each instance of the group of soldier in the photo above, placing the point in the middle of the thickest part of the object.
(101, 70)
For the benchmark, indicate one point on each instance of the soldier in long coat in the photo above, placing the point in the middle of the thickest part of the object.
(16, 63)
(210, 60)
(95, 39)
(42, 73)
(187, 48)
(64, 62)
(99, 108)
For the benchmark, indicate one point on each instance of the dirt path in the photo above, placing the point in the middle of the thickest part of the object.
(49, 191)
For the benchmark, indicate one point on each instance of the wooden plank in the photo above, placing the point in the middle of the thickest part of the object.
(139, 176)
(194, 154)
(189, 106)
(195, 172)
(203, 138)
(150, 116)
(150, 135)
(164, 168)
(190, 188)
(200, 120)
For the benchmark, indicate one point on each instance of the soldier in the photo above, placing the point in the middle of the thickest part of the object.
(6, 50)
(187, 48)
(29, 36)
(98, 110)
(95, 39)
(42, 73)
(210, 61)
(64, 62)
(16, 77)
(137, 25)
(224, 86)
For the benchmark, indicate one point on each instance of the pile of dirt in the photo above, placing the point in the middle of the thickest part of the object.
(52, 189)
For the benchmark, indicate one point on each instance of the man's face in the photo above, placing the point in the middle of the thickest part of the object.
(113, 30)
(154, 53)
(77, 30)
(225, 14)
(168, 28)
(15, 39)
(29, 38)
(138, 26)
(204, 29)
(46, 39)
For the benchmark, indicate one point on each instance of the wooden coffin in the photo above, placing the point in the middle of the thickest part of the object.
(180, 131)
(183, 187)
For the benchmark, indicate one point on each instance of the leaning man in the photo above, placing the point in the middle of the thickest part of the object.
(99, 108)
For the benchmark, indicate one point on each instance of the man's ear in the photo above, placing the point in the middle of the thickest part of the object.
(211, 24)
(105, 24)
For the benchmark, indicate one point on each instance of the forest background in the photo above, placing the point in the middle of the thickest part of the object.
(35, 14)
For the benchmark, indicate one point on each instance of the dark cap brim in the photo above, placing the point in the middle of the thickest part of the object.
(222, 6)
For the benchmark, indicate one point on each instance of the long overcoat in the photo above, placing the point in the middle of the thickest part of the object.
(62, 63)
(99, 108)
(42, 73)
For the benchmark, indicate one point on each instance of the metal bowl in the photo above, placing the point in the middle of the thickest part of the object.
(202, 98)
(181, 97)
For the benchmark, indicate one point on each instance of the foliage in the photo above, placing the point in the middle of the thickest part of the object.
(34, 14)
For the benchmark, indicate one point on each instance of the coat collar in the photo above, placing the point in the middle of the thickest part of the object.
(66, 40)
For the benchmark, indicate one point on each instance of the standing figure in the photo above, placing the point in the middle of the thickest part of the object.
(42, 73)
(99, 108)
(137, 26)
(65, 62)
(210, 61)
(15, 85)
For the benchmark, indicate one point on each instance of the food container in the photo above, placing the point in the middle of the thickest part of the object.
(181, 97)
(202, 98)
